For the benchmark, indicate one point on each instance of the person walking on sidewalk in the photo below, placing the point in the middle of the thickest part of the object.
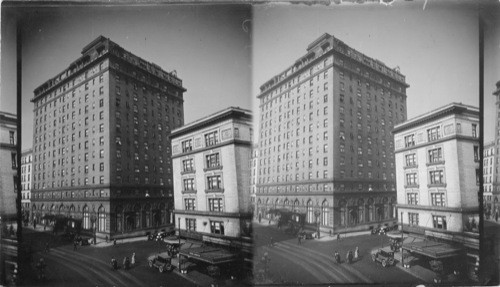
(299, 238)
(338, 236)
(114, 242)
(132, 261)
(356, 254)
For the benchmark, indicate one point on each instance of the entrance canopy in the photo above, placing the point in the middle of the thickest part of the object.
(396, 234)
(433, 250)
(211, 255)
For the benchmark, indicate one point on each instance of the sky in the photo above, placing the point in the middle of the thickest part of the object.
(208, 46)
(491, 68)
(224, 53)
(436, 48)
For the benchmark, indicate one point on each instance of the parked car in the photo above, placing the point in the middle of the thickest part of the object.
(162, 261)
(307, 234)
(383, 255)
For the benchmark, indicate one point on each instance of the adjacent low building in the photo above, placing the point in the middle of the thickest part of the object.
(488, 176)
(438, 176)
(211, 167)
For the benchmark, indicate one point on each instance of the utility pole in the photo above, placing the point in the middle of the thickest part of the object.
(402, 239)
(179, 227)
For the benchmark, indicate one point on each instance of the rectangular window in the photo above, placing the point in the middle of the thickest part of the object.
(14, 159)
(188, 184)
(187, 165)
(212, 160)
(190, 224)
(439, 222)
(217, 227)
(412, 198)
(411, 159)
(214, 182)
(436, 177)
(187, 145)
(412, 218)
(437, 199)
(215, 204)
(411, 179)
(474, 130)
(211, 138)
(189, 204)
(12, 139)
(409, 140)
(435, 155)
(433, 134)
(476, 153)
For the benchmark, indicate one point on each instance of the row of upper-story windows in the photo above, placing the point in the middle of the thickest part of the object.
(437, 198)
(212, 183)
(213, 204)
(72, 182)
(211, 139)
(434, 155)
(435, 133)
(435, 177)
(211, 161)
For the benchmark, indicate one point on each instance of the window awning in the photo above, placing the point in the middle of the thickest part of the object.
(433, 250)
(211, 255)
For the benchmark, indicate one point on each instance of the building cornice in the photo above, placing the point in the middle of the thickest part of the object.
(229, 113)
(219, 145)
(453, 108)
(465, 210)
(441, 140)
(214, 214)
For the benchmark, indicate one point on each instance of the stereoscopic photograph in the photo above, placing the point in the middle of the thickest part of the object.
(249, 144)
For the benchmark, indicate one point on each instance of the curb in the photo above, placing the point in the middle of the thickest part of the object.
(410, 272)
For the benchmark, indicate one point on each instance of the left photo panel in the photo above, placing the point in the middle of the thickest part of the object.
(133, 164)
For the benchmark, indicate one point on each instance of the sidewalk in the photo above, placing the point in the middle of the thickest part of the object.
(418, 271)
(324, 236)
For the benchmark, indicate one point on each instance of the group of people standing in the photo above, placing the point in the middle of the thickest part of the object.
(127, 262)
(350, 256)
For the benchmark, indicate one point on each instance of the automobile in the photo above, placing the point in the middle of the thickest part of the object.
(85, 241)
(161, 261)
(307, 234)
(383, 255)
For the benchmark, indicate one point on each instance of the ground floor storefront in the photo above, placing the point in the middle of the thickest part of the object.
(333, 212)
(106, 219)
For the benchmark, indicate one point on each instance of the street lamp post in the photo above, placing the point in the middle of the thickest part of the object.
(179, 227)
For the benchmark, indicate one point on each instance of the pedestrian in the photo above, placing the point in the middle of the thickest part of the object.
(106, 239)
(299, 238)
(47, 248)
(75, 244)
(338, 236)
(330, 233)
(133, 259)
(114, 242)
(356, 254)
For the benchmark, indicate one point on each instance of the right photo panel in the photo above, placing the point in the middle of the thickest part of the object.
(367, 157)
(490, 237)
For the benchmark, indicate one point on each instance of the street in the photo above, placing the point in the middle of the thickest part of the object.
(90, 265)
(312, 261)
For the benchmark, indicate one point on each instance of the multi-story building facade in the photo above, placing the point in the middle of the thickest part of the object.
(8, 195)
(8, 166)
(488, 176)
(325, 144)
(254, 170)
(211, 164)
(101, 151)
(438, 176)
(26, 167)
(495, 209)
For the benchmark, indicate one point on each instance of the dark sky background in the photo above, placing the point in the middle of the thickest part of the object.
(208, 46)
(436, 48)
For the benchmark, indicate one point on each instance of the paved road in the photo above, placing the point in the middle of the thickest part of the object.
(312, 262)
(90, 266)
